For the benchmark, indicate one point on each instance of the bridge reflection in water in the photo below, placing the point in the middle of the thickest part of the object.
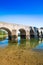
(4, 43)
(30, 44)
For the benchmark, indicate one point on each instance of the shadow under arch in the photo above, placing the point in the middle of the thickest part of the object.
(37, 33)
(22, 34)
(41, 34)
(9, 32)
(31, 33)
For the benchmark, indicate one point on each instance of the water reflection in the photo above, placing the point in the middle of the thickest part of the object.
(19, 40)
(32, 43)
(4, 43)
(40, 45)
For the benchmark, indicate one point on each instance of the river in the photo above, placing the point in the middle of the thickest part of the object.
(23, 52)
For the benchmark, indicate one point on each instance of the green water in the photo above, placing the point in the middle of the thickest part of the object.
(29, 44)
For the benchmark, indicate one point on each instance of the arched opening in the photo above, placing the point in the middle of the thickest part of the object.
(37, 33)
(31, 33)
(41, 34)
(7, 31)
(22, 34)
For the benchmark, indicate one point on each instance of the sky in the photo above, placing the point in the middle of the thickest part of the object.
(26, 12)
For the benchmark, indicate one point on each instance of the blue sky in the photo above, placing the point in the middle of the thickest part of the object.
(27, 12)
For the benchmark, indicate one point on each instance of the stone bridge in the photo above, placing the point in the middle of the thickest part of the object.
(26, 32)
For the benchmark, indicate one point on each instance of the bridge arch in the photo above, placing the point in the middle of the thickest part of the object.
(22, 33)
(31, 33)
(41, 34)
(9, 32)
(37, 33)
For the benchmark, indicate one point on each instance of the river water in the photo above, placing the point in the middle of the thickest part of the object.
(32, 43)
(22, 52)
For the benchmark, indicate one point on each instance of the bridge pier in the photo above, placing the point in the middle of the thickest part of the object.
(27, 35)
(14, 36)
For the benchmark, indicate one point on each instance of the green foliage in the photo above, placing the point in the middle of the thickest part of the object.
(2, 32)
